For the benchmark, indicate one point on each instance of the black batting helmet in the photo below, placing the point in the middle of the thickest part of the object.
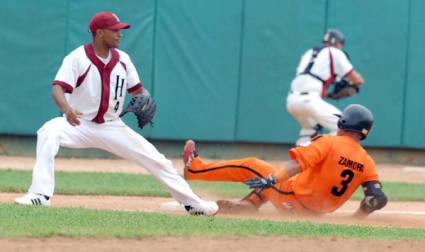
(356, 118)
(333, 36)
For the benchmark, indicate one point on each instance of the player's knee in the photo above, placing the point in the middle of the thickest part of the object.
(49, 129)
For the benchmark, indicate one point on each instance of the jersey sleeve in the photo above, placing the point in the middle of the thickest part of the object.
(67, 75)
(342, 65)
(133, 78)
(371, 172)
(311, 156)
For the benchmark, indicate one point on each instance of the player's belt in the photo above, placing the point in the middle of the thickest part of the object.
(300, 93)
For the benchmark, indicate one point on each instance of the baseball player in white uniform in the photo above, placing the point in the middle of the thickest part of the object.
(318, 69)
(90, 89)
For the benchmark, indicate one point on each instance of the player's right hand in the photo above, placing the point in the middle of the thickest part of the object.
(72, 116)
(261, 183)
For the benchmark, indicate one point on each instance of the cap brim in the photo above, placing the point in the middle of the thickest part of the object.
(119, 26)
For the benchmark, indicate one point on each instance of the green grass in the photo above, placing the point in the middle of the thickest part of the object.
(398, 191)
(16, 221)
(89, 183)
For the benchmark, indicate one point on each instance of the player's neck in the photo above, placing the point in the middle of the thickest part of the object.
(100, 49)
(354, 135)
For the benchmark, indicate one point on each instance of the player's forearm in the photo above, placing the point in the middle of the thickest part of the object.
(290, 168)
(58, 96)
(356, 78)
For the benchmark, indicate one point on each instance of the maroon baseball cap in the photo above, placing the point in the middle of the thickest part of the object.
(106, 20)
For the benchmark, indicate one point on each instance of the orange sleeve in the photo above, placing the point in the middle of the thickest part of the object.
(371, 173)
(311, 156)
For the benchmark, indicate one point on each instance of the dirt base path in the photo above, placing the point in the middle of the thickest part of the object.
(210, 244)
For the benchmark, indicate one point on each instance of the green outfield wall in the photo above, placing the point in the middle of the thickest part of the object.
(220, 69)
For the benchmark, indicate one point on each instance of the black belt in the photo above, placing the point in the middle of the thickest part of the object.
(300, 93)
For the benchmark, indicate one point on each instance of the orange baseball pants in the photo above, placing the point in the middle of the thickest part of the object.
(280, 195)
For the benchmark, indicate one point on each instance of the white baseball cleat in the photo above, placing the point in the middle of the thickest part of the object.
(33, 199)
(208, 208)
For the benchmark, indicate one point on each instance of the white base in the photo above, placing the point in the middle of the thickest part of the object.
(172, 206)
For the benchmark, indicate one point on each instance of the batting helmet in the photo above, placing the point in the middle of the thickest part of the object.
(356, 118)
(333, 36)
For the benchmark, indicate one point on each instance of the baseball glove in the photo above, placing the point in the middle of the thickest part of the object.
(143, 106)
(342, 89)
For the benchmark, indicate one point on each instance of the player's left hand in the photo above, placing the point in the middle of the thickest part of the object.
(143, 106)
(261, 183)
(343, 89)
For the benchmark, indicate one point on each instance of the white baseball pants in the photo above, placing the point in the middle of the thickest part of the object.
(309, 109)
(115, 137)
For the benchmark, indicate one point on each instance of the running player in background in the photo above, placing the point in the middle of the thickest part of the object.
(96, 77)
(317, 70)
(319, 178)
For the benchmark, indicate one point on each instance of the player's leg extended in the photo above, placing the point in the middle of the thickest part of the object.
(230, 170)
(124, 142)
(238, 170)
(53, 134)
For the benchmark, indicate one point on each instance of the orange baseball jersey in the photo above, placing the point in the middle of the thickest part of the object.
(333, 167)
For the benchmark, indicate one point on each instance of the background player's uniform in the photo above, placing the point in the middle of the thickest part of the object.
(333, 167)
(97, 88)
(316, 71)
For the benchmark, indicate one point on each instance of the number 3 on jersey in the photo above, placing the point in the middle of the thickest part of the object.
(348, 176)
